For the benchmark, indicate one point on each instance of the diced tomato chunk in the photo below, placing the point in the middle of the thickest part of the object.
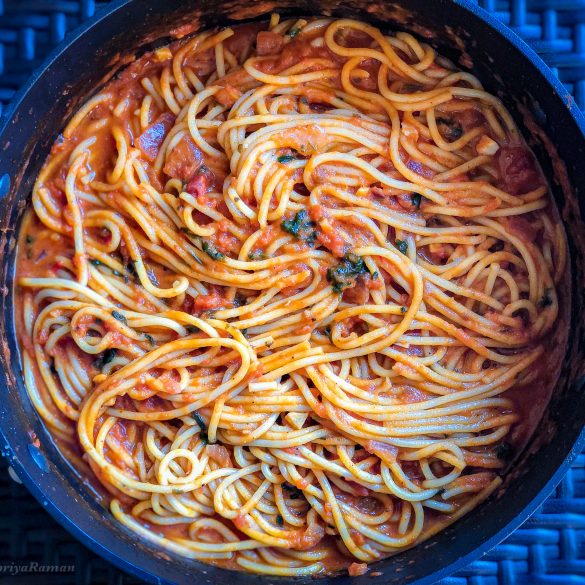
(220, 455)
(209, 302)
(150, 141)
(357, 569)
(520, 227)
(184, 160)
(469, 118)
(518, 171)
(269, 43)
(227, 96)
(357, 294)
(198, 185)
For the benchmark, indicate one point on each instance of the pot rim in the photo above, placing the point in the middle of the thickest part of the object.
(36, 480)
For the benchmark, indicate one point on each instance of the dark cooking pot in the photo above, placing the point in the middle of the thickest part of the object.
(551, 123)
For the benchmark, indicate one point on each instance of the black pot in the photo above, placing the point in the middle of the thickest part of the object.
(459, 29)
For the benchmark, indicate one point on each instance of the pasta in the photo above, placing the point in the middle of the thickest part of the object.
(276, 282)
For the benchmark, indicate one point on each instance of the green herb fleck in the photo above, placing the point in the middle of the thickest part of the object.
(29, 240)
(416, 199)
(546, 300)
(256, 255)
(189, 233)
(345, 273)
(286, 158)
(403, 309)
(240, 300)
(192, 329)
(301, 227)
(212, 251)
(131, 269)
(279, 520)
(118, 316)
(202, 427)
(450, 128)
(294, 493)
(293, 32)
(402, 246)
(149, 338)
(199, 420)
(96, 262)
(105, 358)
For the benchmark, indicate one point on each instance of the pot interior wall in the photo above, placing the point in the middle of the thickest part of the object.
(77, 71)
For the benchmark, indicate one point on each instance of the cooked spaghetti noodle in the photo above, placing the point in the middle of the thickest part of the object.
(275, 284)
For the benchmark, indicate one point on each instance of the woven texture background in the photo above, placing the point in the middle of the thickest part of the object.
(548, 550)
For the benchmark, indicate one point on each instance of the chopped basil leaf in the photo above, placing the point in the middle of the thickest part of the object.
(105, 358)
(402, 246)
(188, 232)
(199, 420)
(279, 520)
(546, 300)
(345, 273)
(294, 493)
(256, 255)
(119, 317)
(293, 32)
(416, 199)
(240, 300)
(212, 251)
(450, 128)
(286, 158)
(131, 268)
(300, 227)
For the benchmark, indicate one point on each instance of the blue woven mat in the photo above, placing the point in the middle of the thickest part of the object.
(548, 550)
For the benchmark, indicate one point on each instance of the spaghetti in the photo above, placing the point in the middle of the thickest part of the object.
(275, 284)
